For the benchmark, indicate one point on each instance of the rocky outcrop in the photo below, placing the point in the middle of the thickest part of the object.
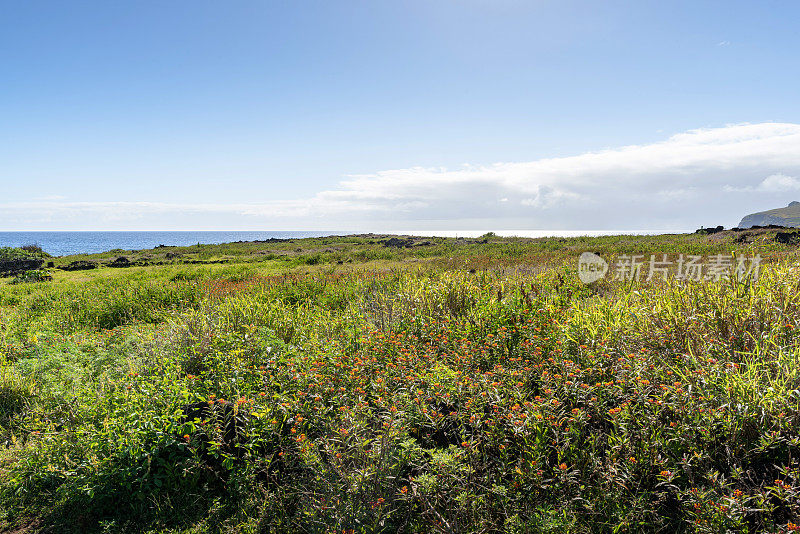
(122, 261)
(788, 217)
(11, 267)
(713, 230)
(396, 242)
(80, 265)
(788, 238)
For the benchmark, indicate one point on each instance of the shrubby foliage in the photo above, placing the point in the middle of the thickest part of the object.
(427, 399)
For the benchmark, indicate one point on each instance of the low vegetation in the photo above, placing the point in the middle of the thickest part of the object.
(347, 385)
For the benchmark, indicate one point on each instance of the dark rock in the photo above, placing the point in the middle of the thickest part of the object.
(770, 227)
(173, 255)
(396, 242)
(80, 265)
(787, 238)
(122, 261)
(50, 264)
(710, 230)
(15, 266)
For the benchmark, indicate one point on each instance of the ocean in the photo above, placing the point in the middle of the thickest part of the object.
(66, 243)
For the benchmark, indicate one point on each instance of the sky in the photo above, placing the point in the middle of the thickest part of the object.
(383, 115)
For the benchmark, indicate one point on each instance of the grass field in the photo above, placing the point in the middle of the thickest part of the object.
(343, 385)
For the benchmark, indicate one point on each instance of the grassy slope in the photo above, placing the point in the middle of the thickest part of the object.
(786, 216)
(457, 386)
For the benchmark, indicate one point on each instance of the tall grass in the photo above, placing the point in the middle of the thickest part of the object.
(422, 399)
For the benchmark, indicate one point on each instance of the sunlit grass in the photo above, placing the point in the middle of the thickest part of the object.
(478, 389)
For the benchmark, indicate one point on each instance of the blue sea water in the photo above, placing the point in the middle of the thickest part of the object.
(65, 243)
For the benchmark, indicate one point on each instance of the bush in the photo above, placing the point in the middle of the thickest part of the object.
(36, 275)
(35, 249)
(12, 253)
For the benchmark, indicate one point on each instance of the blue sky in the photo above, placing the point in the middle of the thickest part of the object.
(383, 115)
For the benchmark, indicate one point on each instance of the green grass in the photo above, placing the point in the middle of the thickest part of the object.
(454, 387)
(24, 253)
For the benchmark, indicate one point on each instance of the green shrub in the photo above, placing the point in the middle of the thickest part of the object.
(509, 399)
(32, 276)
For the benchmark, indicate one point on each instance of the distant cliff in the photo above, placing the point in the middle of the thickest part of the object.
(788, 216)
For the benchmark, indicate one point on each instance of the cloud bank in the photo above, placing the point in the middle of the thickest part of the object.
(690, 179)
(774, 183)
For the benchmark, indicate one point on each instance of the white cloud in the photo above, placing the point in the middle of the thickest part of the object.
(678, 183)
(774, 183)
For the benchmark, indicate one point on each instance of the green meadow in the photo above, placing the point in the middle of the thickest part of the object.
(450, 385)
